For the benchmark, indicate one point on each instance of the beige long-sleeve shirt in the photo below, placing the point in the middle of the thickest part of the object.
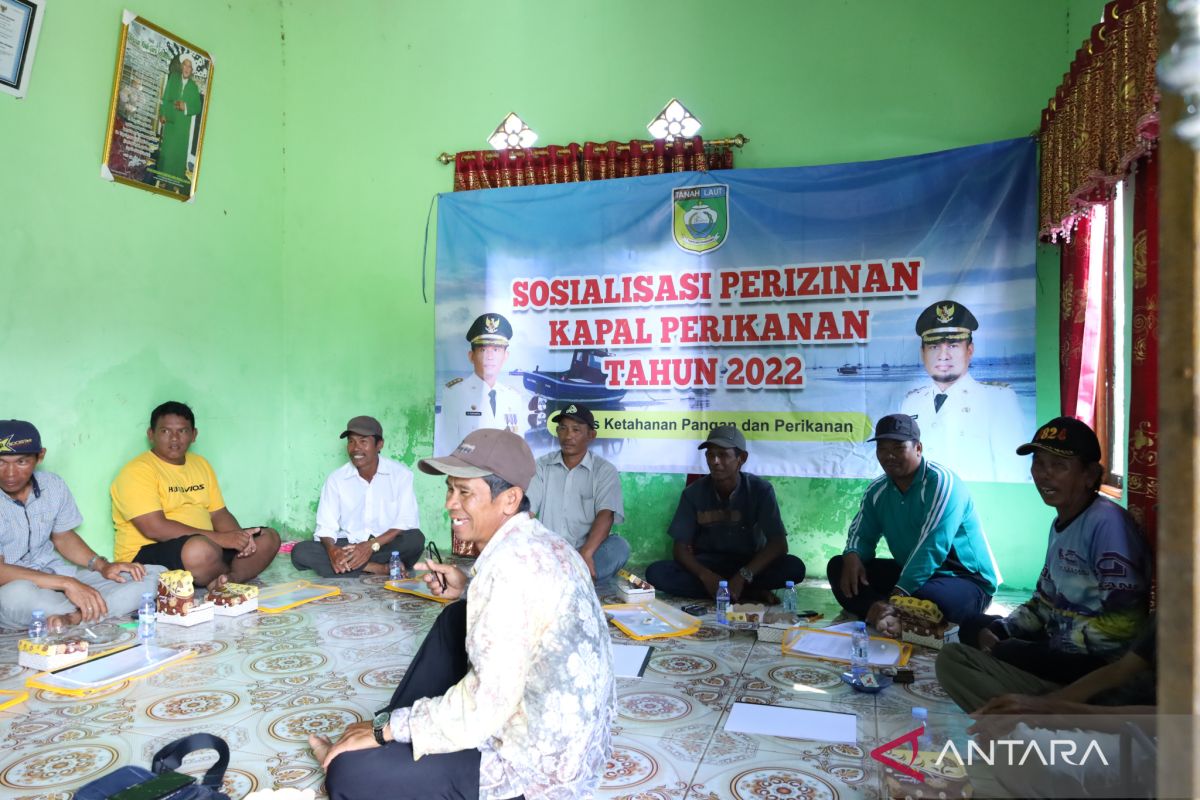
(539, 698)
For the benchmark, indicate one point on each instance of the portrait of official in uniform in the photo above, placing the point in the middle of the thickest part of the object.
(971, 426)
(481, 399)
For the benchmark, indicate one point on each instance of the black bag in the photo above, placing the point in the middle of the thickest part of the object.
(162, 780)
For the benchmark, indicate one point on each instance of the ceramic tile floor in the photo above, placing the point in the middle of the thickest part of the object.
(264, 682)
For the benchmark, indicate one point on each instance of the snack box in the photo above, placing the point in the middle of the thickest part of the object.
(935, 642)
(234, 600)
(198, 614)
(50, 654)
(632, 588)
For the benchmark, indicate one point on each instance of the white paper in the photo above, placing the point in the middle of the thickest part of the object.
(629, 660)
(792, 723)
(824, 644)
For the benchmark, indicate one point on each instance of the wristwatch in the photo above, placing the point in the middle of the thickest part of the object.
(374, 545)
(381, 721)
(747, 574)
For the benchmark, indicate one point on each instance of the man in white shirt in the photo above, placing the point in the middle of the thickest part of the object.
(972, 426)
(367, 510)
(577, 494)
(512, 692)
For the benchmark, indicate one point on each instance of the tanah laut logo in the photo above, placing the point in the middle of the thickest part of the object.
(700, 217)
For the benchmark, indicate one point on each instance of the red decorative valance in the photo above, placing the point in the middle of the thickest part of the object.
(1102, 118)
(591, 161)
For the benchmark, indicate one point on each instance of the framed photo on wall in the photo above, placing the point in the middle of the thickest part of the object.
(20, 21)
(160, 97)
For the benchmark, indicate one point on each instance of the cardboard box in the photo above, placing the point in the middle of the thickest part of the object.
(632, 588)
(197, 614)
(51, 654)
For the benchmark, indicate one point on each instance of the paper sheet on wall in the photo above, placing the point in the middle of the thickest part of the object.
(793, 723)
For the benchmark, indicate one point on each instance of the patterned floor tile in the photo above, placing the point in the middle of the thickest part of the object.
(777, 777)
(641, 768)
(264, 682)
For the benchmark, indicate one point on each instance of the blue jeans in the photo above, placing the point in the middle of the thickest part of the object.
(960, 599)
(610, 556)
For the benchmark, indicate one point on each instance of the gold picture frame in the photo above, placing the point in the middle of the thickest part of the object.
(159, 108)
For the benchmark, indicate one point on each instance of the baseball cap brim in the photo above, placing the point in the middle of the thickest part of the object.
(721, 441)
(1029, 447)
(899, 437)
(452, 466)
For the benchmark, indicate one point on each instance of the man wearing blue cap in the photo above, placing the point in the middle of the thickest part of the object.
(924, 511)
(481, 399)
(38, 517)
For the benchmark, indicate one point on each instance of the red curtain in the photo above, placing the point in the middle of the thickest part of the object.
(1073, 283)
(591, 161)
(1143, 406)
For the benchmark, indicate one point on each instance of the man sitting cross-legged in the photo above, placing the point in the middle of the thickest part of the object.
(727, 526)
(367, 510)
(38, 517)
(924, 511)
(168, 509)
(577, 494)
(512, 691)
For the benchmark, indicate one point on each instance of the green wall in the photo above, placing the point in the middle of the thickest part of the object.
(287, 298)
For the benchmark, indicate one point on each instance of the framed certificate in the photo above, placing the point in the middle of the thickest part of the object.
(20, 21)
(159, 107)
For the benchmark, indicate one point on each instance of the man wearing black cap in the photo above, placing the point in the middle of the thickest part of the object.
(481, 399)
(367, 510)
(512, 691)
(924, 511)
(577, 494)
(971, 426)
(41, 549)
(1092, 597)
(727, 527)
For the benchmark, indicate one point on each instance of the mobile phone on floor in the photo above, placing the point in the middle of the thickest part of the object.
(160, 786)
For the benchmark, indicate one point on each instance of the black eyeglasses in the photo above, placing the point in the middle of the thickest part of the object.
(432, 552)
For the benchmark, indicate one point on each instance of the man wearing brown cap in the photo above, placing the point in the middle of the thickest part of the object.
(972, 426)
(367, 511)
(577, 494)
(727, 527)
(512, 691)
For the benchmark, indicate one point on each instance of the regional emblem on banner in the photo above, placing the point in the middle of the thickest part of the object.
(700, 217)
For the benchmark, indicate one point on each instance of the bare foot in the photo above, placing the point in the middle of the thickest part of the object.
(320, 746)
(58, 623)
(216, 583)
(371, 568)
(764, 596)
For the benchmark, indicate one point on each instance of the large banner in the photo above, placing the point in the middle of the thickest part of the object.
(800, 304)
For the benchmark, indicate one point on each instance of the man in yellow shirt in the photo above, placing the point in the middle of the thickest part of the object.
(167, 509)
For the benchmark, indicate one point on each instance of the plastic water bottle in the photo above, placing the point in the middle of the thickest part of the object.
(723, 603)
(395, 566)
(860, 650)
(789, 598)
(37, 625)
(920, 718)
(147, 619)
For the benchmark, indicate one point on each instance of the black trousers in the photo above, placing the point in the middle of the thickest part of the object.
(1033, 655)
(311, 554)
(391, 771)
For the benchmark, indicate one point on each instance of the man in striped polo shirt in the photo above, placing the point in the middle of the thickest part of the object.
(924, 511)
